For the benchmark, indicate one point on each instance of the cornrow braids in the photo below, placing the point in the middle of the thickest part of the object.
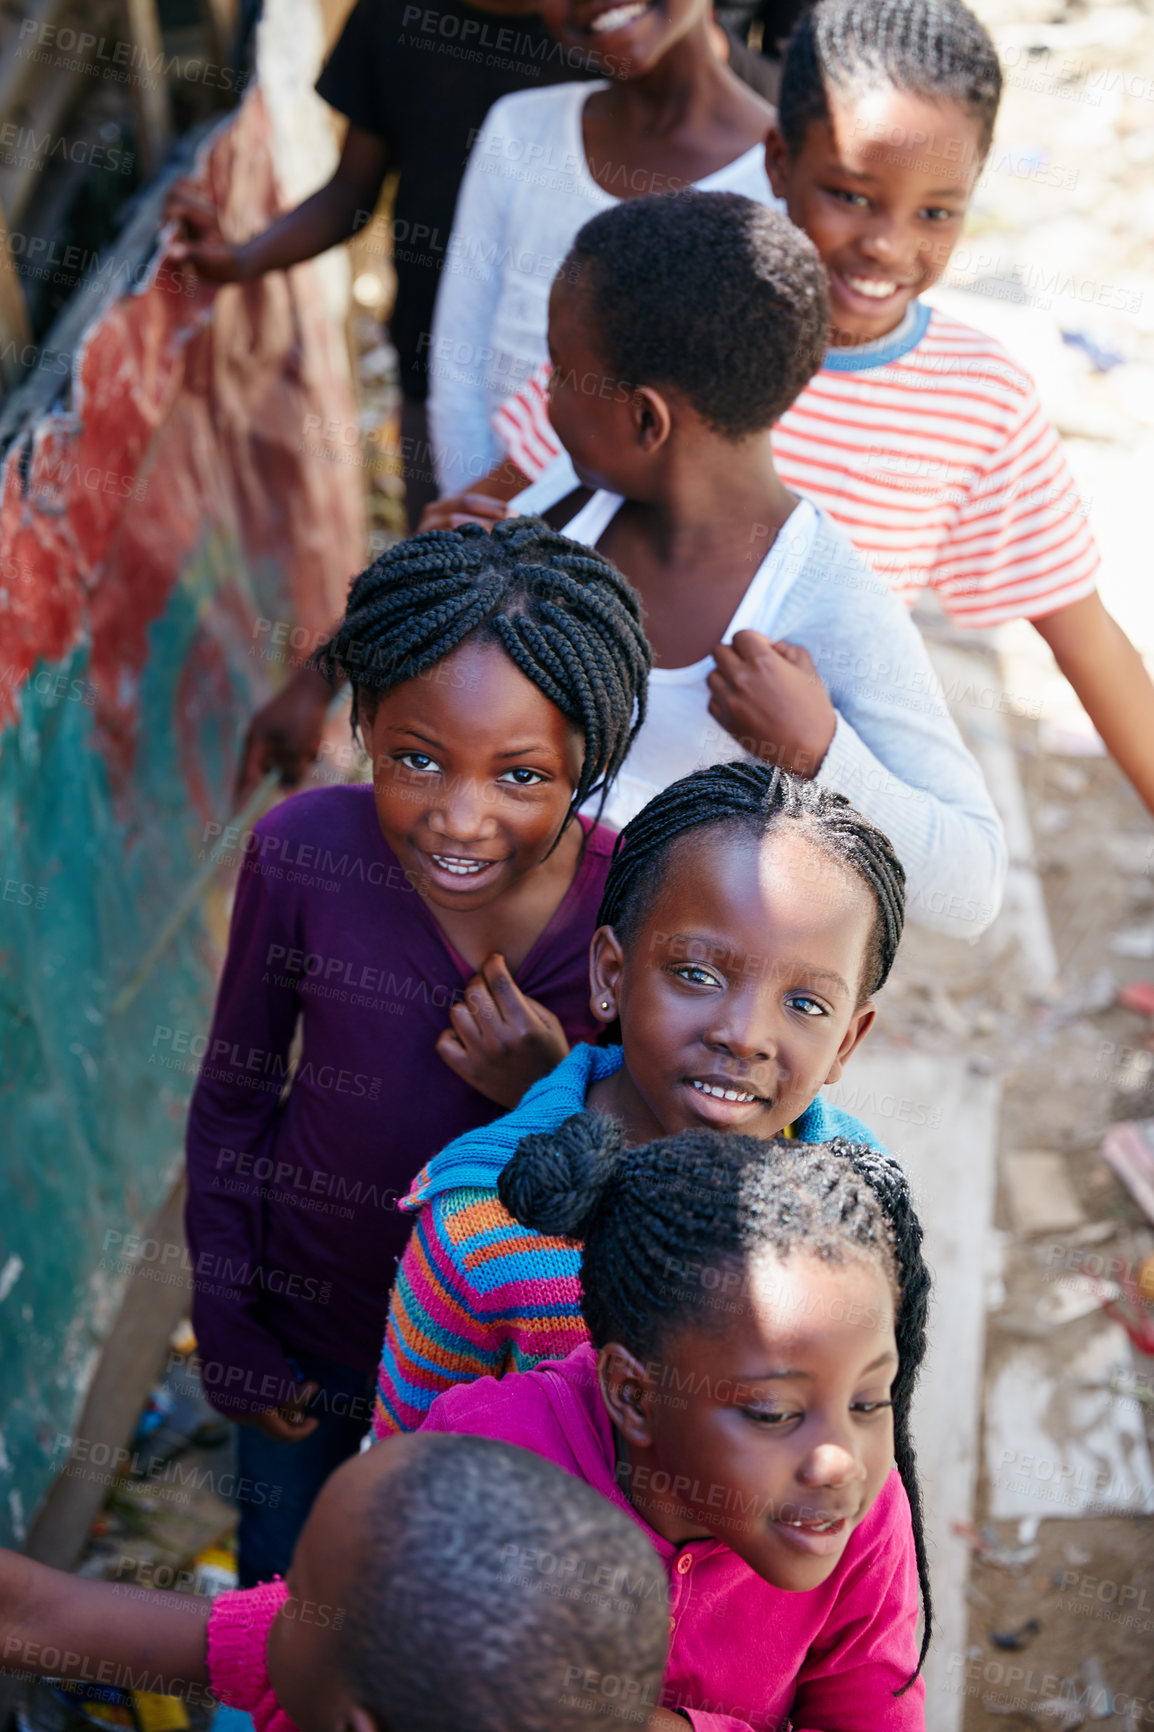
(652, 1217)
(563, 614)
(757, 798)
(931, 48)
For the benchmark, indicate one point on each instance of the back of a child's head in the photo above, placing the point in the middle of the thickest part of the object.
(563, 614)
(661, 1223)
(707, 294)
(493, 1586)
(841, 49)
(760, 800)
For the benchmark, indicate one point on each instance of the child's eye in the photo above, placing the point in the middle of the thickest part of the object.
(858, 200)
(696, 974)
(420, 761)
(869, 1406)
(807, 1005)
(522, 777)
(937, 214)
(771, 1418)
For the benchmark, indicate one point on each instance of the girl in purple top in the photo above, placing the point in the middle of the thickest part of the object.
(758, 1317)
(426, 939)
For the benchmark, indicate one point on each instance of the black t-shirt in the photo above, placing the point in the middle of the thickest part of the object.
(423, 78)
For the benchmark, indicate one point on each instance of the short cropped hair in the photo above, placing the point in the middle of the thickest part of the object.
(709, 294)
(494, 1588)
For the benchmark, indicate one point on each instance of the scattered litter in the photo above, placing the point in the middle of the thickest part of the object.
(1101, 357)
(1094, 1232)
(1128, 1148)
(1052, 818)
(1066, 1300)
(1127, 1307)
(1134, 1071)
(986, 1546)
(1139, 996)
(1099, 1698)
(1013, 1641)
(1063, 1449)
(1136, 941)
(1145, 1277)
(1076, 1556)
(1042, 1199)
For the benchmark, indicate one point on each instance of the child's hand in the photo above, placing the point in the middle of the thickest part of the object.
(770, 698)
(458, 508)
(285, 734)
(202, 245)
(501, 1042)
(289, 1423)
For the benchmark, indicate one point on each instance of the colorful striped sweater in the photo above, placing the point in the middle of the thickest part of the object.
(477, 1294)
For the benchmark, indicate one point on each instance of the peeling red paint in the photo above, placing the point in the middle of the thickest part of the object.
(187, 418)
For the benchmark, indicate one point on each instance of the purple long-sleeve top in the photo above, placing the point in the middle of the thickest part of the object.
(292, 1223)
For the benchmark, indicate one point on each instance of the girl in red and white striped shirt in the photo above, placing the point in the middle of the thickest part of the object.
(920, 436)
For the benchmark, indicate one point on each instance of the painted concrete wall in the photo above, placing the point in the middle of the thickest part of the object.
(167, 505)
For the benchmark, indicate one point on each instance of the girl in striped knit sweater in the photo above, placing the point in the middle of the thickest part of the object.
(748, 919)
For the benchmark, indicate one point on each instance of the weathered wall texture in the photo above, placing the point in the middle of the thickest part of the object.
(145, 527)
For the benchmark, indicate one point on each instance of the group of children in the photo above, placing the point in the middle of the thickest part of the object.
(525, 1043)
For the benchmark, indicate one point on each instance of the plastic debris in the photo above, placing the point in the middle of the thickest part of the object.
(1129, 1309)
(1128, 1147)
(1139, 996)
(986, 1546)
(1101, 357)
(1136, 941)
(1013, 1641)
(1098, 1698)
(1059, 1714)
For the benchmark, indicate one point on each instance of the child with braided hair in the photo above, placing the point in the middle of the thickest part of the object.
(426, 940)
(757, 1313)
(747, 921)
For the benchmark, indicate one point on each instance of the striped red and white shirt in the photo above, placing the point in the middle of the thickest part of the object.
(932, 452)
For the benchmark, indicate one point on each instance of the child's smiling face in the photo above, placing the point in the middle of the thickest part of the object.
(623, 38)
(739, 992)
(768, 1427)
(881, 188)
(473, 772)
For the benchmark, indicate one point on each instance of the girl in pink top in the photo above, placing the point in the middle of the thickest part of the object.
(401, 1609)
(757, 1313)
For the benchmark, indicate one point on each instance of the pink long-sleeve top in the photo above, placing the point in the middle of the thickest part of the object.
(743, 1654)
(238, 1628)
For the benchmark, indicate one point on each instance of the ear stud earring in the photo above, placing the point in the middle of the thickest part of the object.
(605, 1004)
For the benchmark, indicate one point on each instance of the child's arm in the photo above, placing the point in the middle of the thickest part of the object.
(56, 1625)
(1111, 680)
(461, 339)
(450, 1324)
(333, 213)
(895, 753)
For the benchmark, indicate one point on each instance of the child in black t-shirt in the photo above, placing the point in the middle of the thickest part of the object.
(416, 82)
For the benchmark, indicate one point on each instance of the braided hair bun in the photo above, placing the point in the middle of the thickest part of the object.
(558, 1181)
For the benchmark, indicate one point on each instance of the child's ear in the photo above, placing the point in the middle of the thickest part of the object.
(777, 162)
(606, 962)
(652, 420)
(859, 1026)
(625, 1387)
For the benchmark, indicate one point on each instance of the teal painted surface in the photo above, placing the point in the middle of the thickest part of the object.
(91, 1117)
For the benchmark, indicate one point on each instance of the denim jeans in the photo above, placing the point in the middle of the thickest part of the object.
(279, 1481)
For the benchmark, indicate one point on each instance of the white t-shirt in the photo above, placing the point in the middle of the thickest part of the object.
(679, 734)
(896, 754)
(526, 192)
